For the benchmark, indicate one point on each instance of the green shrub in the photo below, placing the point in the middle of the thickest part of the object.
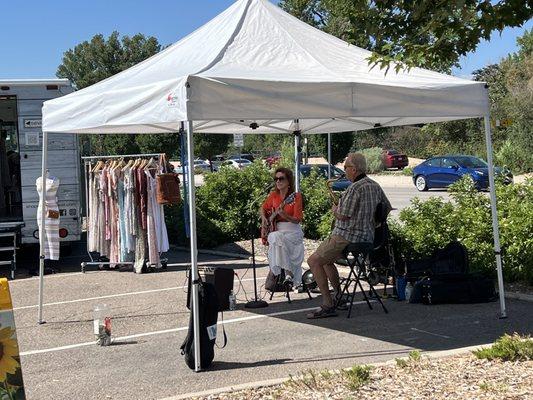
(424, 227)
(317, 203)
(357, 376)
(401, 362)
(374, 162)
(407, 171)
(428, 225)
(208, 234)
(225, 205)
(415, 356)
(231, 198)
(508, 348)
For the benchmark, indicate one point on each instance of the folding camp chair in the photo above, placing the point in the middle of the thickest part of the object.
(355, 256)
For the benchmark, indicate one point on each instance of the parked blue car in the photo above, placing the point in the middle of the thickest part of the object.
(339, 185)
(442, 171)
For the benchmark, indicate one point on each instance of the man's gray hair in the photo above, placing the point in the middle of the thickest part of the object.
(358, 160)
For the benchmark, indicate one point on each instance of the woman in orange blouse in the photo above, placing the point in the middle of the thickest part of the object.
(285, 244)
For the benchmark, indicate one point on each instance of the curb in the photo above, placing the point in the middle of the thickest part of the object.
(278, 381)
(519, 296)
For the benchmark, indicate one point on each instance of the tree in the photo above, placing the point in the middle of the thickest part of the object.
(425, 33)
(265, 144)
(340, 145)
(209, 145)
(92, 61)
(168, 143)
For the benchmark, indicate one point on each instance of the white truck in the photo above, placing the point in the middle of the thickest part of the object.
(21, 102)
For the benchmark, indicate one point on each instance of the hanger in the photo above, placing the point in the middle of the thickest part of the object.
(99, 165)
(136, 162)
(120, 163)
(150, 164)
(128, 165)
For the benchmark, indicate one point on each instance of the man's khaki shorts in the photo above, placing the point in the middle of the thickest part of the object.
(330, 250)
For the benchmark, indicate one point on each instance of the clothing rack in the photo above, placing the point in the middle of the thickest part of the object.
(122, 156)
(86, 170)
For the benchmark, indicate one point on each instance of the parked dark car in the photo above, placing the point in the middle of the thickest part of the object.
(442, 171)
(394, 159)
(246, 156)
(337, 186)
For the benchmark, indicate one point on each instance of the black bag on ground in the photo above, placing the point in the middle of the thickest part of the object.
(452, 260)
(445, 291)
(481, 289)
(455, 289)
(208, 313)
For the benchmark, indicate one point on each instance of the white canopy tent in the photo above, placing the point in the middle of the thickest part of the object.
(256, 69)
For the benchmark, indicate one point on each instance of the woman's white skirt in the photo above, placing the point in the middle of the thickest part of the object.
(286, 250)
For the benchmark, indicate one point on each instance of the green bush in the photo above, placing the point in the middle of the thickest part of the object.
(316, 205)
(407, 171)
(208, 235)
(231, 198)
(508, 348)
(225, 205)
(374, 162)
(515, 155)
(357, 376)
(429, 225)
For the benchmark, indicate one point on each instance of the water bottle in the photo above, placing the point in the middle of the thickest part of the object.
(401, 282)
(408, 291)
(232, 301)
(102, 325)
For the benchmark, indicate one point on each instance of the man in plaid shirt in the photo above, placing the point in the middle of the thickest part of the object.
(354, 223)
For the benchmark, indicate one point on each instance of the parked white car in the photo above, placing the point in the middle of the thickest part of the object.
(199, 165)
(238, 163)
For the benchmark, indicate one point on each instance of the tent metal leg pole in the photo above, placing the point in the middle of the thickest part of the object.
(297, 150)
(494, 212)
(194, 252)
(329, 155)
(42, 231)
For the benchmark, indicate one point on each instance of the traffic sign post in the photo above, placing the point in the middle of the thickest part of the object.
(238, 139)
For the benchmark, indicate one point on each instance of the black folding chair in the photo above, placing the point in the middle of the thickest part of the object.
(356, 258)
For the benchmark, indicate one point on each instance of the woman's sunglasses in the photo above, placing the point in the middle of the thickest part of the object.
(279, 179)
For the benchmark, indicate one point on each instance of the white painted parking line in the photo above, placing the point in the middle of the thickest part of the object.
(183, 328)
(36, 278)
(431, 333)
(100, 297)
(69, 274)
(110, 296)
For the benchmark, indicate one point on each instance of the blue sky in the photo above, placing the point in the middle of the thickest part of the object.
(34, 34)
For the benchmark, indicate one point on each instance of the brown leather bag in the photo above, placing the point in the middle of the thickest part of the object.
(167, 185)
(52, 214)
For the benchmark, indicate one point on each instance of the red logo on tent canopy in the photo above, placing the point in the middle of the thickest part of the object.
(172, 100)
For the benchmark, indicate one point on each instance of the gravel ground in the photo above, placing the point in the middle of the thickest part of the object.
(245, 247)
(458, 377)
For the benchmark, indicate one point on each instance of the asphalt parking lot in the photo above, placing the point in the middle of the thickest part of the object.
(150, 318)
(61, 361)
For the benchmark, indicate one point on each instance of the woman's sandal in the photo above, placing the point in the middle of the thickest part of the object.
(322, 312)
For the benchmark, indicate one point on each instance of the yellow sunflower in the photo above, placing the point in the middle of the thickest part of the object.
(8, 350)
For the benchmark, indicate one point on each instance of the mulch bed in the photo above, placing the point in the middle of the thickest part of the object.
(459, 377)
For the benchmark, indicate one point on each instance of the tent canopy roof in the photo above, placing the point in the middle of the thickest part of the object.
(256, 63)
